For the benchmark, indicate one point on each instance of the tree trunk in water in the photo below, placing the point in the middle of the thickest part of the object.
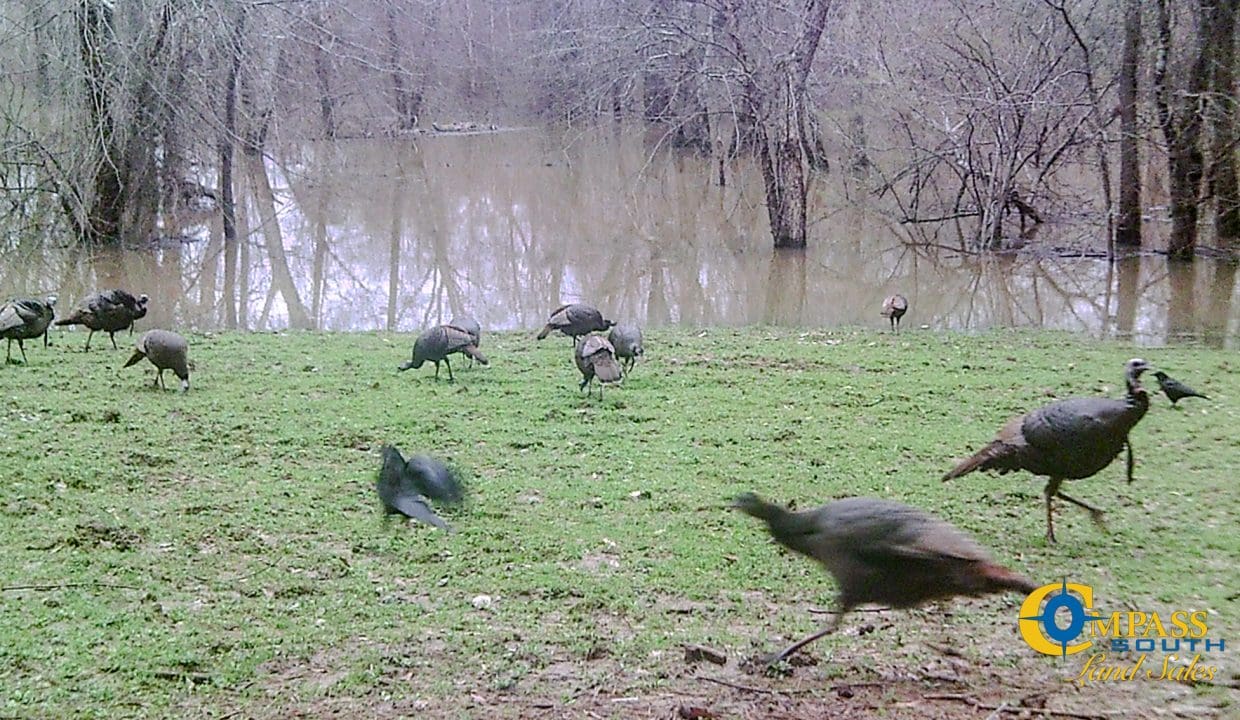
(322, 73)
(779, 108)
(228, 204)
(103, 220)
(1223, 117)
(1181, 125)
(281, 277)
(1128, 227)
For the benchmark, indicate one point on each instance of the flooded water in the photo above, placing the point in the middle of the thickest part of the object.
(401, 234)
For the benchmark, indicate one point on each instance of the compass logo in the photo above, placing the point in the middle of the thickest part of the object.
(1042, 611)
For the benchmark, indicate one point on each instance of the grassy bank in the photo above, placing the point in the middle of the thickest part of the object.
(222, 551)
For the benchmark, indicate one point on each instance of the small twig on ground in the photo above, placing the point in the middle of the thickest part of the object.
(945, 650)
(194, 677)
(738, 686)
(1005, 708)
(829, 611)
(62, 586)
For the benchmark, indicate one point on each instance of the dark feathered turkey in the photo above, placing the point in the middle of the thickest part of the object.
(894, 308)
(25, 319)
(471, 326)
(167, 351)
(1066, 440)
(627, 340)
(406, 487)
(596, 358)
(110, 311)
(436, 344)
(885, 553)
(575, 320)
(1172, 388)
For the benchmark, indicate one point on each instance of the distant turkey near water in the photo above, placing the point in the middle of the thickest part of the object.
(25, 319)
(437, 343)
(110, 311)
(575, 320)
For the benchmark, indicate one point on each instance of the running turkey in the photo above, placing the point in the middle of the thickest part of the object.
(436, 344)
(596, 358)
(167, 351)
(1067, 440)
(575, 320)
(894, 308)
(1172, 388)
(405, 487)
(883, 552)
(25, 319)
(110, 311)
(627, 340)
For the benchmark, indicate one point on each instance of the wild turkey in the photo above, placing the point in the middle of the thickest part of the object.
(166, 351)
(575, 320)
(109, 311)
(894, 308)
(471, 326)
(596, 358)
(627, 340)
(1066, 440)
(406, 486)
(436, 344)
(25, 319)
(1172, 388)
(883, 552)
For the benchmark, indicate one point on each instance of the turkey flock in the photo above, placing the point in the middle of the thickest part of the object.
(879, 551)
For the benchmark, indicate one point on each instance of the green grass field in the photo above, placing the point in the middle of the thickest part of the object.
(222, 551)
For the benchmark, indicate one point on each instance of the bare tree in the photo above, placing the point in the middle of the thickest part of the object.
(1179, 116)
(1128, 227)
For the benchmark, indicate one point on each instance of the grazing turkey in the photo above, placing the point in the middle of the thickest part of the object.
(25, 319)
(627, 340)
(575, 320)
(406, 486)
(471, 326)
(1172, 388)
(883, 552)
(167, 351)
(1066, 440)
(596, 358)
(894, 308)
(110, 311)
(436, 344)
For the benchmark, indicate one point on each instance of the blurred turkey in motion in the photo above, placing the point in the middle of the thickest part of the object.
(167, 351)
(596, 358)
(25, 319)
(110, 311)
(883, 552)
(471, 326)
(436, 344)
(405, 487)
(627, 342)
(1066, 440)
(1172, 388)
(894, 308)
(575, 320)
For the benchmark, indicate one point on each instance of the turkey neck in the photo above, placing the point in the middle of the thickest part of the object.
(1138, 398)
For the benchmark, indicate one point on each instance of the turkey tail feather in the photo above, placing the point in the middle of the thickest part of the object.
(1003, 579)
(976, 462)
(606, 369)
